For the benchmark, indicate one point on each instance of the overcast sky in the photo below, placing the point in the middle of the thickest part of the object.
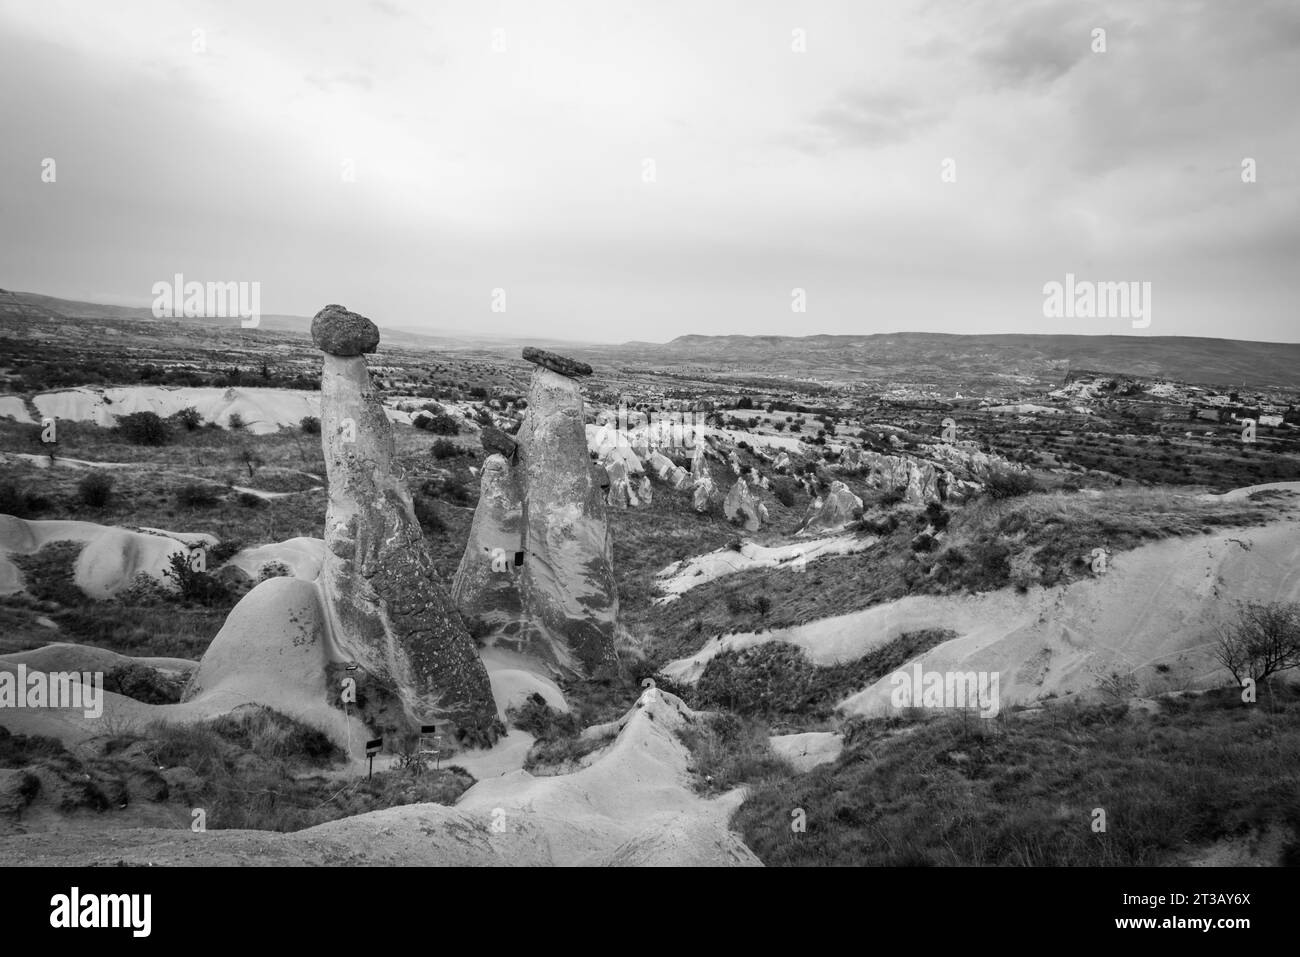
(524, 169)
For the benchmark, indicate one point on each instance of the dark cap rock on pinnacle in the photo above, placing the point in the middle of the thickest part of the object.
(556, 363)
(342, 333)
(496, 441)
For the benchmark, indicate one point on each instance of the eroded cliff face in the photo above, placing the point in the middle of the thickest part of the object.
(562, 607)
(386, 608)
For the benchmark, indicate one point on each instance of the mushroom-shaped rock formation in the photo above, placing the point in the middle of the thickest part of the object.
(567, 585)
(385, 607)
(497, 442)
(556, 363)
(547, 505)
(339, 332)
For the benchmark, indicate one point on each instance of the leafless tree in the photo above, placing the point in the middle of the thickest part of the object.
(1264, 640)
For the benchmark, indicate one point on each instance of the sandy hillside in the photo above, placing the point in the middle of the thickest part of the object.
(1156, 605)
(632, 806)
(264, 410)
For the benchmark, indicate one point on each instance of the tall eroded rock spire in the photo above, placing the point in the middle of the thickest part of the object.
(567, 596)
(385, 605)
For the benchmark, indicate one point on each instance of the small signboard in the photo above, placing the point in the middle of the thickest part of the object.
(428, 729)
(373, 747)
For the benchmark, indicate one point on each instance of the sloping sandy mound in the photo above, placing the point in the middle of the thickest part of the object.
(1241, 494)
(263, 410)
(1158, 604)
(64, 656)
(111, 559)
(681, 576)
(13, 407)
(273, 650)
(807, 750)
(633, 805)
(303, 557)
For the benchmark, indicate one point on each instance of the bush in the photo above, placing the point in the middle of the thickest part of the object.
(95, 489)
(223, 551)
(194, 585)
(439, 423)
(235, 423)
(16, 501)
(309, 424)
(728, 751)
(189, 418)
(445, 449)
(144, 428)
(1008, 483)
(143, 683)
(784, 491)
(450, 488)
(541, 721)
(194, 495)
(273, 569)
(426, 514)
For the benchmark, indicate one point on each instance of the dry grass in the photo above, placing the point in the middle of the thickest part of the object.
(1022, 790)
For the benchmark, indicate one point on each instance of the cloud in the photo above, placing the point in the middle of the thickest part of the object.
(868, 118)
(358, 81)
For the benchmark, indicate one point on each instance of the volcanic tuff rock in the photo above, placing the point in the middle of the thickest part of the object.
(556, 363)
(567, 586)
(832, 513)
(338, 332)
(703, 492)
(486, 588)
(741, 506)
(620, 493)
(562, 608)
(669, 471)
(386, 609)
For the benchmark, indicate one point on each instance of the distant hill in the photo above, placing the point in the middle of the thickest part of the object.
(33, 305)
(888, 356)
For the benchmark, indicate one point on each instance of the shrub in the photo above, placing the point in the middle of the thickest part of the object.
(1008, 483)
(273, 569)
(194, 585)
(426, 514)
(444, 449)
(189, 418)
(309, 424)
(95, 489)
(144, 428)
(235, 423)
(223, 551)
(195, 495)
(439, 423)
(784, 491)
(542, 721)
(728, 751)
(143, 683)
(16, 501)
